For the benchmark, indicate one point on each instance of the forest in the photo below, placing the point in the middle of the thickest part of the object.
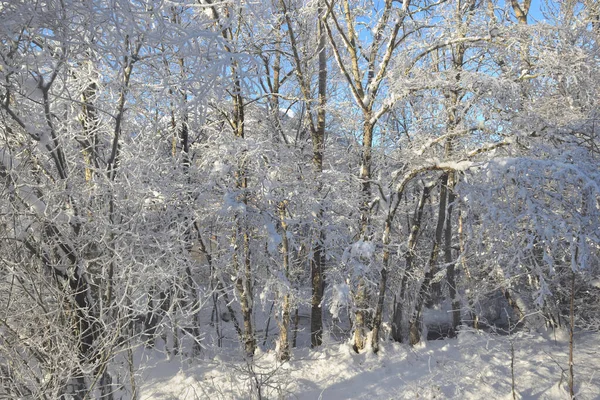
(235, 189)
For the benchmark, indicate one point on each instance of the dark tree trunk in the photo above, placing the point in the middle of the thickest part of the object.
(424, 294)
(451, 271)
(318, 138)
(409, 257)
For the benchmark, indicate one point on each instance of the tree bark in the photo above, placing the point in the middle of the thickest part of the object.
(317, 130)
(424, 293)
(382, 285)
(237, 122)
(409, 263)
(284, 324)
(361, 304)
(436, 287)
(451, 272)
(462, 250)
(318, 139)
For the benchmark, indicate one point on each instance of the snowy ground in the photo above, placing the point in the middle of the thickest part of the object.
(473, 366)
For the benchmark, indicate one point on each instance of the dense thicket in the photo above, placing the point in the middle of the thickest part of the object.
(175, 174)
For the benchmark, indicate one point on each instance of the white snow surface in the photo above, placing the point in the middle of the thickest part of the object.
(476, 365)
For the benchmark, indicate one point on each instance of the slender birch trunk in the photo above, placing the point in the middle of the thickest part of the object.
(284, 322)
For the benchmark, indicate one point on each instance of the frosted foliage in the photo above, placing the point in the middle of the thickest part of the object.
(340, 299)
(226, 193)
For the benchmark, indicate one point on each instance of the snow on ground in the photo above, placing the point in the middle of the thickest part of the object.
(473, 366)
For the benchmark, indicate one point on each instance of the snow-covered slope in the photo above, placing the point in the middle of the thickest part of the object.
(473, 366)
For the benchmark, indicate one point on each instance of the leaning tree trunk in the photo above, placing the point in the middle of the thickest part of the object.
(409, 264)
(425, 288)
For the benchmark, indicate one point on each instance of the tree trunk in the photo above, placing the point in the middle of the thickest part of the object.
(317, 131)
(424, 293)
(318, 140)
(244, 289)
(461, 241)
(317, 287)
(571, 331)
(436, 287)
(244, 281)
(284, 325)
(382, 285)
(414, 330)
(360, 317)
(409, 257)
(451, 273)
(296, 322)
(365, 178)
(361, 298)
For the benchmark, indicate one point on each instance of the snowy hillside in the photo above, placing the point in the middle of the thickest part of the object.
(473, 366)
